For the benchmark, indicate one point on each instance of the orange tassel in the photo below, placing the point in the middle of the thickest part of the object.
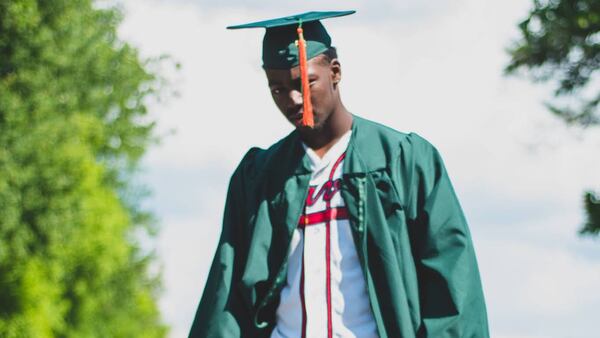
(307, 116)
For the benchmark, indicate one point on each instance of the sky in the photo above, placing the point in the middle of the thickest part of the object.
(431, 67)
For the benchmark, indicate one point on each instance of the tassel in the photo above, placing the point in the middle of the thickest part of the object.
(307, 116)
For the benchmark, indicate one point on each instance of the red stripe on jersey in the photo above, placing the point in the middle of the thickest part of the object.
(328, 252)
(323, 216)
(337, 163)
(302, 298)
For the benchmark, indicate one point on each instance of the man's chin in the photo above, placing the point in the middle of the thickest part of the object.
(316, 127)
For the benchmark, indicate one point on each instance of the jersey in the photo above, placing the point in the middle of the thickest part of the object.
(325, 294)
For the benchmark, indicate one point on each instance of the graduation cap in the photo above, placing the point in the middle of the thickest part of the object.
(293, 40)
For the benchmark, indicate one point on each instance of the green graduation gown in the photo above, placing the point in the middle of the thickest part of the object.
(408, 227)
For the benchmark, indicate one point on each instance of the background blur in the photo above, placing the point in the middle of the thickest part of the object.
(432, 67)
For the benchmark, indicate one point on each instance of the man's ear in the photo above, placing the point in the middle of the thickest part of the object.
(336, 71)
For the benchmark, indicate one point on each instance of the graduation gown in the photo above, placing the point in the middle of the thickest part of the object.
(410, 233)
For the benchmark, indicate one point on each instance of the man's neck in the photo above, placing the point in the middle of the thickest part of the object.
(320, 140)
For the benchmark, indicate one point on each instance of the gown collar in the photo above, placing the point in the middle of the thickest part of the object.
(364, 153)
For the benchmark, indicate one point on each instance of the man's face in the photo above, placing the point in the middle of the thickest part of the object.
(286, 89)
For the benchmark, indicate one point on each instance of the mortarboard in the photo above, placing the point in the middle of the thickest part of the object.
(291, 41)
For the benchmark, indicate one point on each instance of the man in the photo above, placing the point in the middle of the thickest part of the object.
(343, 228)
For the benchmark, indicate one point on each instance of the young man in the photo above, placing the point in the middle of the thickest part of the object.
(343, 228)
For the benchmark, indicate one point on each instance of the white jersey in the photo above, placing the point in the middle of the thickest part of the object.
(325, 294)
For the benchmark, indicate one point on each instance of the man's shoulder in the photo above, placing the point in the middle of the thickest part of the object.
(374, 138)
(372, 127)
(259, 160)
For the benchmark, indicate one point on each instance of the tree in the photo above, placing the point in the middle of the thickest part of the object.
(72, 129)
(560, 43)
(592, 225)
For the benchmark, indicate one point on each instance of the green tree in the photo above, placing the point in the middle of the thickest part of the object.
(72, 129)
(560, 43)
(592, 207)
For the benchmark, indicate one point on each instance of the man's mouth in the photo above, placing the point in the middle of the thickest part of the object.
(296, 116)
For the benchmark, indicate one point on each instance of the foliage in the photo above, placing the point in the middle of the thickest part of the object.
(72, 129)
(561, 41)
(592, 207)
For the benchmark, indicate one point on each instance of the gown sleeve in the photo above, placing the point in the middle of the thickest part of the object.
(450, 291)
(222, 312)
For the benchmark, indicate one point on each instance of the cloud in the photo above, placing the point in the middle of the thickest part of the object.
(538, 290)
(186, 249)
(368, 11)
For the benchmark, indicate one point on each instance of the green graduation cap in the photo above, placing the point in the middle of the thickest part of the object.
(280, 49)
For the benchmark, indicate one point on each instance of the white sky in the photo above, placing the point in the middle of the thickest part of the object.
(434, 67)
